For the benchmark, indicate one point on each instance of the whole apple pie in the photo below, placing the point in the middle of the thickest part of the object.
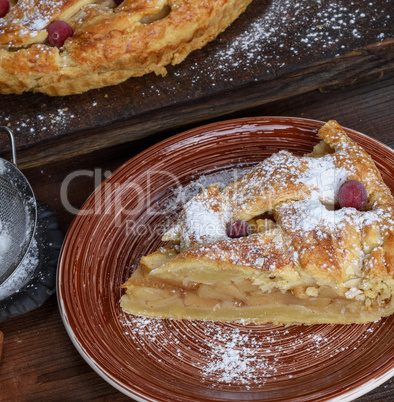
(297, 240)
(63, 47)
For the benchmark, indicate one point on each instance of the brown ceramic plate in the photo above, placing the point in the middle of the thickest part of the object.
(192, 360)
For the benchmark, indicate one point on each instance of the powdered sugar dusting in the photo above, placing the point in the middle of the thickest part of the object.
(219, 176)
(248, 356)
(310, 215)
(289, 29)
(203, 222)
(324, 178)
(36, 14)
(266, 184)
(256, 250)
(205, 217)
(2, 167)
(5, 242)
(19, 278)
(17, 222)
(301, 193)
(55, 122)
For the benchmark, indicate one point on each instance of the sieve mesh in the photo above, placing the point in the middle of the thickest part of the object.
(17, 218)
(13, 222)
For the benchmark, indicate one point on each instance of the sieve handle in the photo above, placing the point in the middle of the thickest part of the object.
(12, 140)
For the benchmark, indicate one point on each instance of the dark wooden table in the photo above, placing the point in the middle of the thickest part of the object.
(39, 361)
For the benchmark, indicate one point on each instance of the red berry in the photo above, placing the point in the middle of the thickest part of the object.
(58, 32)
(352, 194)
(238, 229)
(4, 7)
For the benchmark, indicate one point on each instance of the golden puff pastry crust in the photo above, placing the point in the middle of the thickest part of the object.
(306, 261)
(110, 43)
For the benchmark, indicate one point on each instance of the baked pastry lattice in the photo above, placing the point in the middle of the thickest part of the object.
(307, 261)
(110, 43)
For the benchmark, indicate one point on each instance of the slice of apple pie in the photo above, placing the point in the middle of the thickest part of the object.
(297, 240)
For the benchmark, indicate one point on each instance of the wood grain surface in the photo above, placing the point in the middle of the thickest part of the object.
(39, 361)
(277, 49)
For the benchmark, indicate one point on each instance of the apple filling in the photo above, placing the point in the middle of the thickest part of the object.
(230, 298)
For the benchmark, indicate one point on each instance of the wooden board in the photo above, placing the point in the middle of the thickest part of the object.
(275, 50)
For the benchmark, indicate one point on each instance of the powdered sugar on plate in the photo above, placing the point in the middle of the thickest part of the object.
(243, 355)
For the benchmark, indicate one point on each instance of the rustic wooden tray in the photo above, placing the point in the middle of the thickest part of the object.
(275, 50)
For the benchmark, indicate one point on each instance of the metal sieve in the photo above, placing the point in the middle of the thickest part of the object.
(18, 214)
